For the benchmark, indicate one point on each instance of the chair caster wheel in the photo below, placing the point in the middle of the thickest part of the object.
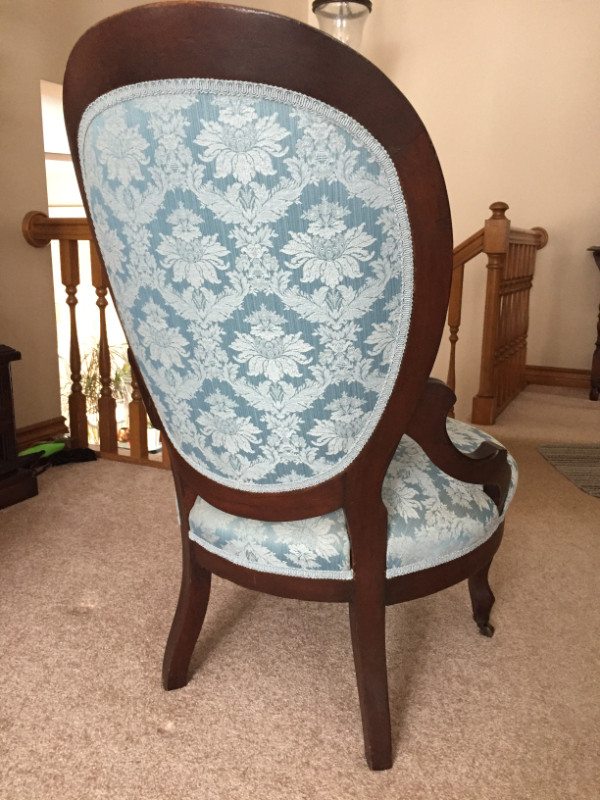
(485, 629)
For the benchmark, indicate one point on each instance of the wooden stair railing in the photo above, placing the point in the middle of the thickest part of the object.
(511, 256)
(39, 230)
(511, 261)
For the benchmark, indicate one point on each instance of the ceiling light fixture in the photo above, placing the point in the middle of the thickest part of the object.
(343, 19)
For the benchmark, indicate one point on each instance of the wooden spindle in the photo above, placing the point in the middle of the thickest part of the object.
(454, 318)
(138, 419)
(107, 405)
(69, 270)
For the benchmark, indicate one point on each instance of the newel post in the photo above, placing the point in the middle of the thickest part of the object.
(495, 244)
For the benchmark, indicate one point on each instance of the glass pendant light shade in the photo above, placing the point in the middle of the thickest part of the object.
(343, 19)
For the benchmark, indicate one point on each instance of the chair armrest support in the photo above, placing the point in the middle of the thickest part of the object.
(488, 465)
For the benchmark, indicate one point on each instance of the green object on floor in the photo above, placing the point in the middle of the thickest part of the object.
(45, 449)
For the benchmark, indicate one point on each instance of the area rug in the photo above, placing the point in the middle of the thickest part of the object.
(580, 463)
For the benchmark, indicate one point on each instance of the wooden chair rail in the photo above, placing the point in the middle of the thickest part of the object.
(39, 230)
(511, 256)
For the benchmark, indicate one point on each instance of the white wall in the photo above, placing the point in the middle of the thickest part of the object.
(509, 94)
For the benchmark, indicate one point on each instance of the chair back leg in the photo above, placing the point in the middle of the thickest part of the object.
(367, 626)
(187, 622)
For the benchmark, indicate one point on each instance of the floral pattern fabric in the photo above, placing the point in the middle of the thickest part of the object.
(259, 250)
(432, 519)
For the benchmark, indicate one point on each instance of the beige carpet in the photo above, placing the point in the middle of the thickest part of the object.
(89, 574)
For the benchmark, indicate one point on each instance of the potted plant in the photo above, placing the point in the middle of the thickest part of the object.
(91, 385)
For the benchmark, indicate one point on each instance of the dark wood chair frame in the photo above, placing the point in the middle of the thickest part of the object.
(187, 40)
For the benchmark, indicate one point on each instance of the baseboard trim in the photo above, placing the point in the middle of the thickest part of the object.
(558, 376)
(44, 431)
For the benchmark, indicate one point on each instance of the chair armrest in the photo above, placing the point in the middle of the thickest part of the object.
(488, 465)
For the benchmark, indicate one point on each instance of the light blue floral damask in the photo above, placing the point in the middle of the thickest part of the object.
(432, 519)
(259, 249)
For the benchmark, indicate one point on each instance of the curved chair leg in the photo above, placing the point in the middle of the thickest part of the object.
(367, 625)
(187, 623)
(482, 600)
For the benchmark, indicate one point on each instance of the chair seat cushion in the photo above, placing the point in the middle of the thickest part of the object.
(432, 519)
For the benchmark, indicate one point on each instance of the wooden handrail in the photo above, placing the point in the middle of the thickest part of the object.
(468, 249)
(39, 230)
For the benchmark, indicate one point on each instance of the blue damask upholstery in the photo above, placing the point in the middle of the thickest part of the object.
(432, 519)
(258, 247)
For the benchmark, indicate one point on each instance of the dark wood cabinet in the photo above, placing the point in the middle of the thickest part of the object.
(15, 484)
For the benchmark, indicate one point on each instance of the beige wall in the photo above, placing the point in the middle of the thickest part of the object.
(35, 40)
(509, 93)
(30, 52)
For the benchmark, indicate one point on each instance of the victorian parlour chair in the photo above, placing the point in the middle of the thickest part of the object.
(276, 233)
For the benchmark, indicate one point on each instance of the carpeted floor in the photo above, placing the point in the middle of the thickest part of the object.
(580, 463)
(89, 574)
